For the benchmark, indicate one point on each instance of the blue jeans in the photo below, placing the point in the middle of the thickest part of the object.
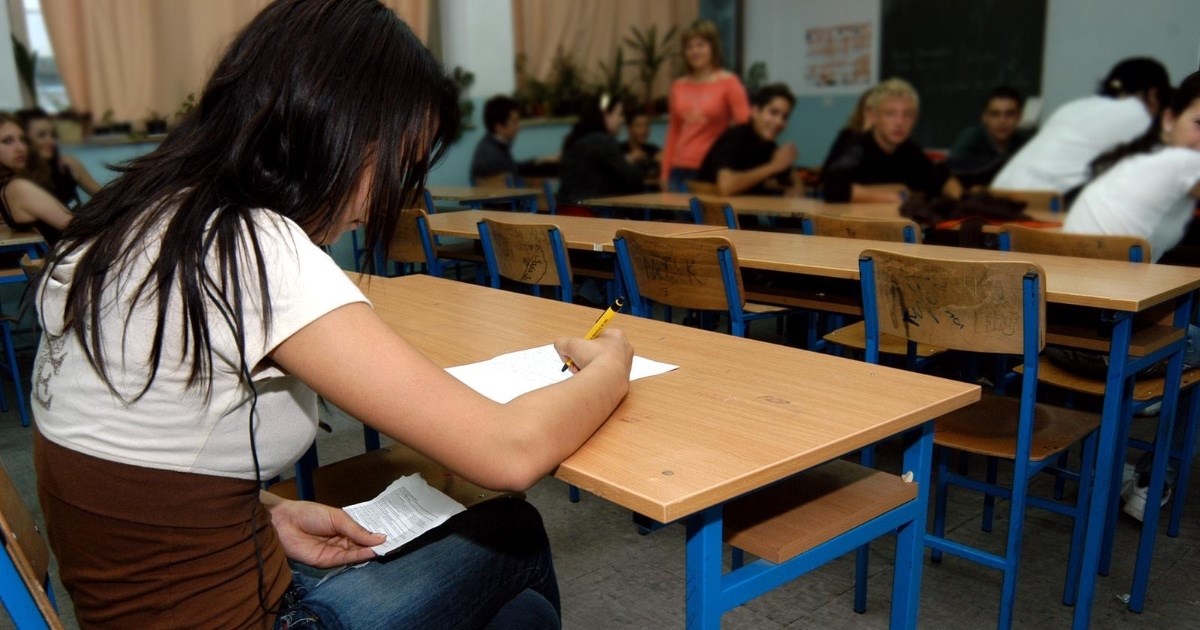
(489, 567)
(679, 177)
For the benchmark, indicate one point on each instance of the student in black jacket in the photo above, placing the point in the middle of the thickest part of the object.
(593, 164)
(745, 160)
(885, 154)
(493, 155)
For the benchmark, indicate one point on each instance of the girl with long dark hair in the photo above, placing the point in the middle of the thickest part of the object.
(191, 321)
(24, 205)
(61, 174)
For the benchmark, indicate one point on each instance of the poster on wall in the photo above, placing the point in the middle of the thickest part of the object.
(840, 51)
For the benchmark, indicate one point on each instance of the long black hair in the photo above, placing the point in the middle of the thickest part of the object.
(1180, 99)
(591, 119)
(311, 95)
(1136, 76)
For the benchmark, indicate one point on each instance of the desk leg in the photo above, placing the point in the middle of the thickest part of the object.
(910, 538)
(704, 569)
(1110, 421)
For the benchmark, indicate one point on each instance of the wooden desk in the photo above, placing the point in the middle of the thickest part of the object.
(476, 196)
(775, 206)
(682, 444)
(1119, 290)
(580, 233)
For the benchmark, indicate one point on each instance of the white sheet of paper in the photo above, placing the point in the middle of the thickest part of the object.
(507, 376)
(408, 508)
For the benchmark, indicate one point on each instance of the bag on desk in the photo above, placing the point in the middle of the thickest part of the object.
(940, 215)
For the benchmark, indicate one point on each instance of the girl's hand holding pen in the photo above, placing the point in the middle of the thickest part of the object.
(611, 345)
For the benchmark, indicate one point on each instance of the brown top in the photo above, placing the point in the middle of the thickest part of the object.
(146, 548)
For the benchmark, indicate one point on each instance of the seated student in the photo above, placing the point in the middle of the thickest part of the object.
(493, 155)
(859, 122)
(746, 159)
(1057, 158)
(637, 148)
(885, 154)
(1147, 187)
(593, 164)
(25, 205)
(63, 175)
(981, 150)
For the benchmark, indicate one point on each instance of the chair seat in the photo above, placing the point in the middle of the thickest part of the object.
(855, 336)
(989, 427)
(792, 517)
(362, 477)
(1144, 389)
(764, 309)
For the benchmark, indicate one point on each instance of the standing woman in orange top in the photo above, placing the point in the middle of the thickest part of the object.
(704, 103)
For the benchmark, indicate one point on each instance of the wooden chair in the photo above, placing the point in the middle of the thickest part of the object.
(713, 213)
(854, 336)
(892, 230)
(412, 244)
(1029, 240)
(691, 272)
(697, 187)
(986, 307)
(24, 573)
(1051, 200)
(1144, 392)
(532, 254)
(546, 203)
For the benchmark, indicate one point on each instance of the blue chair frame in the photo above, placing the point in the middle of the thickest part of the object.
(1024, 468)
(558, 255)
(697, 207)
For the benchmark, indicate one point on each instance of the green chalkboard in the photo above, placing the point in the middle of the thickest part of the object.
(955, 51)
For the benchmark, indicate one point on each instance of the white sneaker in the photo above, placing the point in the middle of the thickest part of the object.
(1135, 499)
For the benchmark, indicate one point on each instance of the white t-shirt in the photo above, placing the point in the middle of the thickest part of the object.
(174, 427)
(1146, 195)
(1058, 157)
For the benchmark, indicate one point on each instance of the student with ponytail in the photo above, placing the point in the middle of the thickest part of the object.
(1057, 158)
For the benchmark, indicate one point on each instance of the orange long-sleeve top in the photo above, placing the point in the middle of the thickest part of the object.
(699, 112)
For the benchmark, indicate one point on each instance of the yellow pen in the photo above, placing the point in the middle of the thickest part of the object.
(599, 326)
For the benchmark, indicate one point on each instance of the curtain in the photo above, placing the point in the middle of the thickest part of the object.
(132, 58)
(591, 31)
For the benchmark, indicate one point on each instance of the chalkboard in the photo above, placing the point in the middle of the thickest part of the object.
(954, 52)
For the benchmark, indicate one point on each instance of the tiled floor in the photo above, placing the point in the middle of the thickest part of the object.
(612, 577)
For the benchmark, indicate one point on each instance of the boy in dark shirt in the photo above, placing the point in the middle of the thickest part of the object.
(493, 154)
(880, 164)
(982, 150)
(746, 159)
(637, 147)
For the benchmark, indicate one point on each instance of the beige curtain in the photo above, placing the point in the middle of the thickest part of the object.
(135, 57)
(590, 31)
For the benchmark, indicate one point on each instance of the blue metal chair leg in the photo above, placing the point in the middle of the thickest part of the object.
(989, 500)
(1079, 527)
(939, 505)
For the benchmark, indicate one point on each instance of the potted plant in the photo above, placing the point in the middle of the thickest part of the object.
(185, 107)
(464, 80)
(611, 77)
(155, 123)
(105, 125)
(653, 53)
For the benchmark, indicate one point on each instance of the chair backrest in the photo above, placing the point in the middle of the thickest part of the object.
(895, 230)
(413, 242)
(533, 254)
(1050, 200)
(545, 199)
(679, 271)
(975, 306)
(1019, 238)
(702, 188)
(28, 559)
(499, 180)
(429, 205)
(713, 213)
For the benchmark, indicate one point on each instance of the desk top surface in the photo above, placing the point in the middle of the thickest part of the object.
(1079, 281)
(479, 193)
(782, 206)
(694, 437)
(587, 233)
(10, 237)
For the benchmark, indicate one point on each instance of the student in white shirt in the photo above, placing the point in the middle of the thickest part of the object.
(1148, 187)
(1057, 158)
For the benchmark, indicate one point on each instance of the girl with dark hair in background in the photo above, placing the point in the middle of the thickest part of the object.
(61, 174)
(24, 205)
(191, 320)
(703, 104)
(1057, 158)
(593, 164)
